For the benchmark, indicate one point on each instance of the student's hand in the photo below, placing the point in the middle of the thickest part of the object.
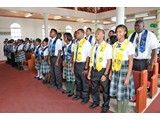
(110, 76)
(89, 75)
(35, 60)
(40, 61)
(103, 78)
(66, 65)
(150, 67)
(72, 69)
(85, 72)
(49, 62)
(126, 81)
(56, 64)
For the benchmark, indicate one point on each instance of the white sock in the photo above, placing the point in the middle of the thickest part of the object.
(38, 73)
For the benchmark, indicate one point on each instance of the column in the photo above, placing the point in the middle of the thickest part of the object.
(120, 14)
(158, 24)
(46, 24)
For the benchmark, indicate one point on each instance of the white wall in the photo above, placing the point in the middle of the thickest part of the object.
(32, 28)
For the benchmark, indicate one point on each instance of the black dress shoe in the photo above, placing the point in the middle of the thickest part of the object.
(104, 111)
(39, 78)
(70, 95)
(36, 77)
(59, 89)
(84, 102)
(65, 92)
(93, 106)
(76, 98)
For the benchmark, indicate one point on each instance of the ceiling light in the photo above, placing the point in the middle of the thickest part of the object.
(150, 17)
(68, 17)
(93, 21)
(57, 17)
(106, 22)
(14, 11)
(80, 20)
(98, 21)
(130, 20)
(113, 19)
(140, 15)
(28, 14)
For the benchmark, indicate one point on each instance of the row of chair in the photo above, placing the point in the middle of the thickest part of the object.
(142, 80)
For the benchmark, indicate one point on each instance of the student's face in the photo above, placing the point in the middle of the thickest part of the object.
(120, 33)
(99, 35)
(59, 35)
(139, 27)
(80, 35)
(88, 32)
(65, 38)
(44, 43)
(36, 43)
(75, 35)
(110, 34)
(52, 34)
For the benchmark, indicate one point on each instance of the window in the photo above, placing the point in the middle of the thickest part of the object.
(16, 31)
(43, 32)
(69, 29)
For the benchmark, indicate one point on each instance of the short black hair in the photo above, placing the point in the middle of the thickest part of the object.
(46, 39)
(113, 39)
(59, 34)
(26, 38)
(89, 29)
(122, 26)
(111, 31)
(81, 30)
(140, 21)
(69, 36)
(54, 30)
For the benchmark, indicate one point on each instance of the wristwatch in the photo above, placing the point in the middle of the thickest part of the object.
(105, 75)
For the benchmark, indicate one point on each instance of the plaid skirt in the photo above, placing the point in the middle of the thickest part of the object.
(67, 73)
(45, 67)
(20, 57)
(37, 65)
(117, 88)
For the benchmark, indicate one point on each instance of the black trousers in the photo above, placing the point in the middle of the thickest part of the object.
(140, 64)
(96, 82)
(82, 88)
(56, 75)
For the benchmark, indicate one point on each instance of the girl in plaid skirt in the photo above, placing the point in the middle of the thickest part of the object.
(122, 83)
(36, 57)
(67, 63)
(19, 55)
(43, 59)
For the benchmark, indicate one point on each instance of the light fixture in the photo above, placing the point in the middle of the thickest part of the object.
(106, 22)
(93, 21)
(28, 14)
(68, 17)
(130, 20)
(141, 15)
(150, 17)
(57, 17)
(98, 21)
(14, 11)
(80, 20)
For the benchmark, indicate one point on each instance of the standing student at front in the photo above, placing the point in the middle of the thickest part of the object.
(100, 63)
(122, 83)
(80, 65)
(43, 59)
(55, 60)
(67, 64)
(36, 57)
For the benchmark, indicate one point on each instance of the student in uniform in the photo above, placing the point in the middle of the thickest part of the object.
(146, 44)
(55, 60)
(110, 33)
(89, 37)
(100, 63)
(36, 57)
(80, 65)
(113, 39)
(122, 83)
(44, 67)
(19, 55)
(67, 64)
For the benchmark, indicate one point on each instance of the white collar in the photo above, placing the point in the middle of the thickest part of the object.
(121, 42)
(100, 43)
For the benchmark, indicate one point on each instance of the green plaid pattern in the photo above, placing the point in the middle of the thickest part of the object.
(37, 65)
(67, 73)
(117, 87)
(45, 67)
(20, 57)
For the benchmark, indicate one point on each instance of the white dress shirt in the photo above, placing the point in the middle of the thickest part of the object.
(93, 40)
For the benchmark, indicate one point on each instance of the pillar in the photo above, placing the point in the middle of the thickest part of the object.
(120, 14)
(46, 25)
(158, 24)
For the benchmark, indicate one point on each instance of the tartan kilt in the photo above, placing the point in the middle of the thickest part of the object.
(37, 65)
(117, 88)
(67, 73)
(45, 67)
(20, 57)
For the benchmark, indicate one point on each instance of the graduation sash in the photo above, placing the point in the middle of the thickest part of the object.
(78, 52)
(99, 61)
(142, 46)
(117, 61)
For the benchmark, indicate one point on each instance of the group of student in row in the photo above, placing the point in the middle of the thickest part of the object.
(108, 63)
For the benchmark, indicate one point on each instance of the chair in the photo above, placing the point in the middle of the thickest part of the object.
(140, 81)
(31, 63)
(153, 80)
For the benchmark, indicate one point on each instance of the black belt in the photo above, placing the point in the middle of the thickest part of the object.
(141, 60)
